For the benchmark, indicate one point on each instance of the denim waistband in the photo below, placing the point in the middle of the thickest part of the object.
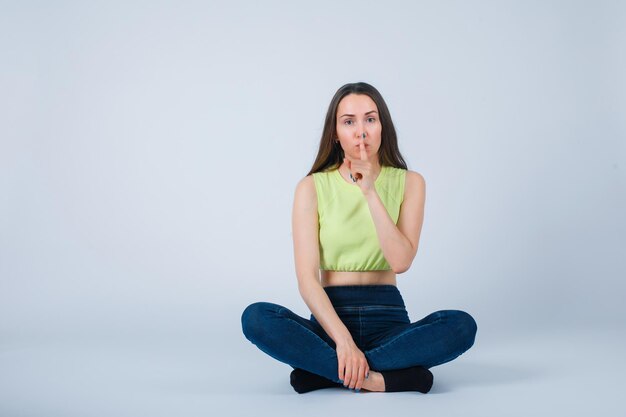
(363, 295)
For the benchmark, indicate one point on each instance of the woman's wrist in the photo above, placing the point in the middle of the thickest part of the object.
(370, 193)
(344, 341)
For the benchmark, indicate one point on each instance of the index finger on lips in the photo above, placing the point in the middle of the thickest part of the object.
(362, 148)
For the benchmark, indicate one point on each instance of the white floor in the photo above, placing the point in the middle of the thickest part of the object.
(579, 373)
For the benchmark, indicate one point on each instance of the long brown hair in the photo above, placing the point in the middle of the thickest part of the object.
(330, 154)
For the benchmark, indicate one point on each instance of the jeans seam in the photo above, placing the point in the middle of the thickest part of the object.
(395, 339)
(360, 329)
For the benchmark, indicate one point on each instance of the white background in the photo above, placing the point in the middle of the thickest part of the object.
(149, 152)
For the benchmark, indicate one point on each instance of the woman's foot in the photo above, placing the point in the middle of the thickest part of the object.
(415, 378)
(303, 381)
(375, 382)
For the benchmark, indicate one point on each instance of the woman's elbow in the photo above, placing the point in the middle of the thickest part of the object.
(403, 263)
(401, 268)
(306, 282)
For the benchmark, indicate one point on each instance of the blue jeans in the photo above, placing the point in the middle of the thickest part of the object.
(379, 324)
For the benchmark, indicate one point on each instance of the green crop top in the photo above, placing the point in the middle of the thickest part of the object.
(347, 235)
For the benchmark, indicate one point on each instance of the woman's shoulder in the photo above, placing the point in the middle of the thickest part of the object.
(414, 184)
(306, 184)
(305, 194)
(414, 177)
(318, 179)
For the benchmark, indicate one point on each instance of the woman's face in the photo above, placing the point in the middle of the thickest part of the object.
(358, 114)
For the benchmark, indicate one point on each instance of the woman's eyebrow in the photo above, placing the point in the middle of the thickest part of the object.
(352, 115)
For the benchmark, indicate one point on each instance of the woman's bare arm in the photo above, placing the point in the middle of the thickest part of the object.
(399, 242)
(306, 253)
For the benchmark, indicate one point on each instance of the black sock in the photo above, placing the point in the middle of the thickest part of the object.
(304, 381)
(415, 378)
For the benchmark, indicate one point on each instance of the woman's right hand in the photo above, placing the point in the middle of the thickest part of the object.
(353, 366)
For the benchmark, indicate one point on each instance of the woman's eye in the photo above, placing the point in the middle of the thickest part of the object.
(369, 119)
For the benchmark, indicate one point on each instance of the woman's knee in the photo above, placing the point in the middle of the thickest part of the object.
(254, 317)
(465, 326)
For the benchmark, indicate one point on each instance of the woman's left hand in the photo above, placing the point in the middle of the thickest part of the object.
(361, 169)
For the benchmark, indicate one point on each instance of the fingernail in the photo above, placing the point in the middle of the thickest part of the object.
(359, 390)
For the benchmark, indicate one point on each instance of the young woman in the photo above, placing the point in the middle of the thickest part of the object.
(357, 219)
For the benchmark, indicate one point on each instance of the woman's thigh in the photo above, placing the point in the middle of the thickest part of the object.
(263, 320)
(437, 338)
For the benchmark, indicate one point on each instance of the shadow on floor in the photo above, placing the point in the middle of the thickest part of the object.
(466, 374)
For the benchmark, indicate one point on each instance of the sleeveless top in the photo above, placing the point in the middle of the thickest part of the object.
(347, 235)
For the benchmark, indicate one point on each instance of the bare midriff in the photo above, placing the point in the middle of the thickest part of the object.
(335, 278)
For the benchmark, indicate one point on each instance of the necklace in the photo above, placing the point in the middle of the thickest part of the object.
(351, 177)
